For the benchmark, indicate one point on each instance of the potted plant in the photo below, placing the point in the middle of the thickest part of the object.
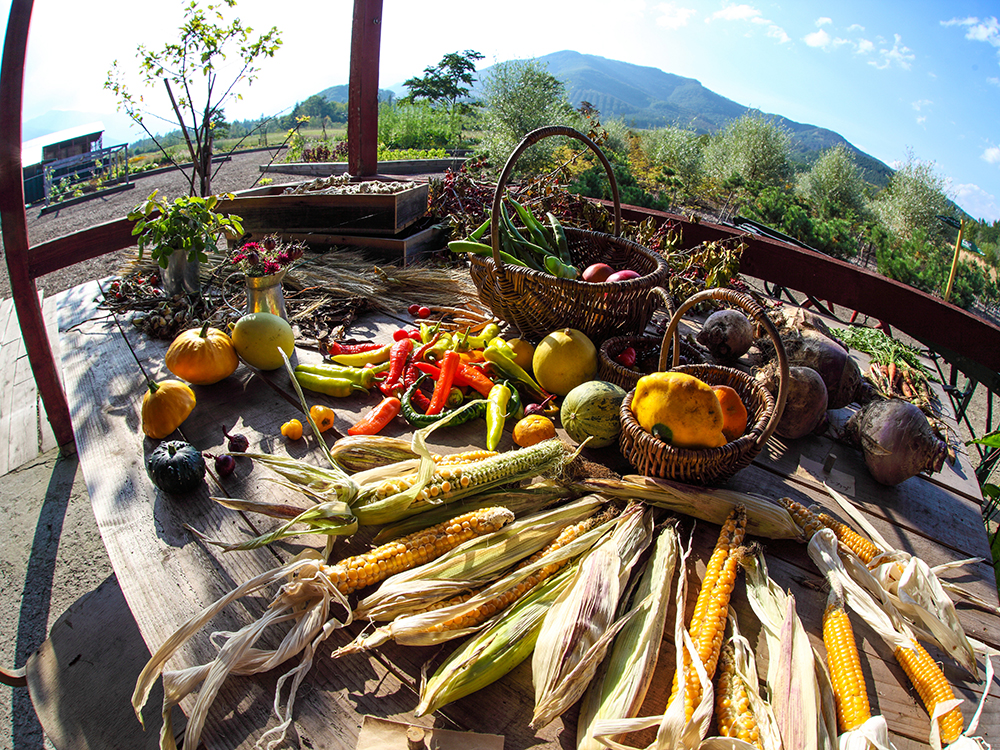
(177, 235)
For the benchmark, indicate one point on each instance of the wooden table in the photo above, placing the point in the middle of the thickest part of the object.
(167, 575)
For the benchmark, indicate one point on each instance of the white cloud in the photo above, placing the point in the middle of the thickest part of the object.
(899, 54)
(864, 47)
(976, 202)
(995, 81)
(776, 32)
(986, 30)
(921, 103)
(817, 39)
(991, 155)
(855, 27)
(735, 13)
(671, 16)
(921, 120)
(823, 21)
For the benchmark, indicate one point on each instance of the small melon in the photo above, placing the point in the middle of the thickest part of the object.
(258, 337)
(592, 410)
(564, 359)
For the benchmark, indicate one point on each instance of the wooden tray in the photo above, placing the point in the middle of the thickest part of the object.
(268, 209)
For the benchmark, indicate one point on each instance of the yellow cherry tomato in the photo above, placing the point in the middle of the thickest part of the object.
(292, 429)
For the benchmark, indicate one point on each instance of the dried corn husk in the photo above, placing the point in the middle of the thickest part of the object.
(765, 518)
(799, 690)
(505, 642)
(580, 626)
(478, 561)
(355, 453)
(620, 685)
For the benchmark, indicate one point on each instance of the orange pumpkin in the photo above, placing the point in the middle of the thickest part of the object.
(165, 405)
(202, 356)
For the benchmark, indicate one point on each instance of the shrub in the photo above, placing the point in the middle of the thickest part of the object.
(834, 185)
(912, 200)
(751, 147)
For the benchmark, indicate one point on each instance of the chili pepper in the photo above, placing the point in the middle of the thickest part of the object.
(427, 333)
(336, 387)
(496, 414)
(363, 376)
(472, 409)
(444, 344)
(466, 375)
(626, 357)
(515, 408)
(322, 416)
(418, 355)
(472, 356)
(449, 365)
(455, 398)
(292, 429)
(419, 398)
(335, 347)
(501, 356)
(379, 416)
(397, 363)
(368, 357)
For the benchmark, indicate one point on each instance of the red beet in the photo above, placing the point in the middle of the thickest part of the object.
(897, 440)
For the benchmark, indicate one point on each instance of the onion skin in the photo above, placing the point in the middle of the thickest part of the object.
(728, 335)
(805, 405)
(897, 441)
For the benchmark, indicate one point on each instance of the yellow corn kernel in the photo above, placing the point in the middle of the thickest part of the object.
(732, 705)
(804, 518)
(359, 571)
(864, 548)
(849, 688)
(932, 687)
(464, 457)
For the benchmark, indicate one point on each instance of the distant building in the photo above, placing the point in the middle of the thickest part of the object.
(38, 152)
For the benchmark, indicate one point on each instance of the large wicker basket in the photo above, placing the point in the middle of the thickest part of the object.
(653, 457)
(537, 303)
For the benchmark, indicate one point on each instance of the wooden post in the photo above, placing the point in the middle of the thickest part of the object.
(15, 225)
(362, 96)
(954, 262)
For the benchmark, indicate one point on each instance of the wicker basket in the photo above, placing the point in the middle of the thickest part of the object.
(537, 303)
(653, 457)
(613, 371)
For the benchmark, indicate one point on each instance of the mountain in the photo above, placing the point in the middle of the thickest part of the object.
(339, 94)
(646, 97)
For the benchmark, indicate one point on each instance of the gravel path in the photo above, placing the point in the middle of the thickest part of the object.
(240, 172)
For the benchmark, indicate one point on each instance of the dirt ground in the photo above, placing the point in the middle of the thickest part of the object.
(52, 554)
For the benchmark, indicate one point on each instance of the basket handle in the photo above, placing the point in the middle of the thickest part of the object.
(757, 315)
(530, 140)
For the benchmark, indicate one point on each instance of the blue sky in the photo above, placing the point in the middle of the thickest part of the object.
(892, 77)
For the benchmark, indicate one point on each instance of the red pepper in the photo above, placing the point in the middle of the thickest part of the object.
(626, 357)
(373, 422)
(449, 365)
(419, 398)
(397, 363)
(335, 347)
(465, 375)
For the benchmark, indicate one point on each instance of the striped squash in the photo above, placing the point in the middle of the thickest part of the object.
(592, 410)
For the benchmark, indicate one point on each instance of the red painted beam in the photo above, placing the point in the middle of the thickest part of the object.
(15, 225)
(362, 89)
(64, 251)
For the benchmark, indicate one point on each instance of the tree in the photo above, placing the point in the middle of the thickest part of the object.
(752, 147)
(834, 185)
(912, 200)
(521, 96)
(194, 63)
(447, 82)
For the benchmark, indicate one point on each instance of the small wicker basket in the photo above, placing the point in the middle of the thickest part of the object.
(653, 457)
(537, 303)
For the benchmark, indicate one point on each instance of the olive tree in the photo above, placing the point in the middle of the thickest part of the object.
(834, 185)
(190, 71)
(521, 96)
(676, 149)
(753, 148)
(913, 199)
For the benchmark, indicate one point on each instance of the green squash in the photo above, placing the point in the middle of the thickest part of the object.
(176, 467)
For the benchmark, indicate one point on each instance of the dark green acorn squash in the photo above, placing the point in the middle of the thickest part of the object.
(176, 467)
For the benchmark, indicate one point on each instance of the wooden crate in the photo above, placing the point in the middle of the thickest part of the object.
(268, 209)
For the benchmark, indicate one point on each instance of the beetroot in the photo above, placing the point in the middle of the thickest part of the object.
(809, 348)
(897, 440)
(728, 335)
(806, 403)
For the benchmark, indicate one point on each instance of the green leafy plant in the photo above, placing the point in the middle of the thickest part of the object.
(991, 505)
(188, 224)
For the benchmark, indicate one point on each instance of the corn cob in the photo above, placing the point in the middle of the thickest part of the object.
(732, 704)
(804, 518)
(405, 496)
(865, 549)
(932, 687)
(842, 659)
(708, 622)
(363, 570)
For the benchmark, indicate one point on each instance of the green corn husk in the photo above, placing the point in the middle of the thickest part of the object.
(356, 453)
(496, 650)
(580, 626)
(620, 686)
(477, 561)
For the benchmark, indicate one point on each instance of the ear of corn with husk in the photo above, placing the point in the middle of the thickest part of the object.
(580, 626)
(496, 650)
(765, 518)
(620, 685)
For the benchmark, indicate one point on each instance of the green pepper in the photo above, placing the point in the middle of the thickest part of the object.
(515, 408)
(501, 356)
(455, 398)
(490, 331)
(336, 387)
(444, 345)
(374, 357)
(427, 332)
(470, 410)
(496, 414)
(363, 376)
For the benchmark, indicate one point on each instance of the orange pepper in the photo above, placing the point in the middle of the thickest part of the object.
(322, 416)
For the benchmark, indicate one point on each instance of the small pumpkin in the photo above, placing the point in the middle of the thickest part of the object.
(202, 356)
(176, 466)
(165, 406)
